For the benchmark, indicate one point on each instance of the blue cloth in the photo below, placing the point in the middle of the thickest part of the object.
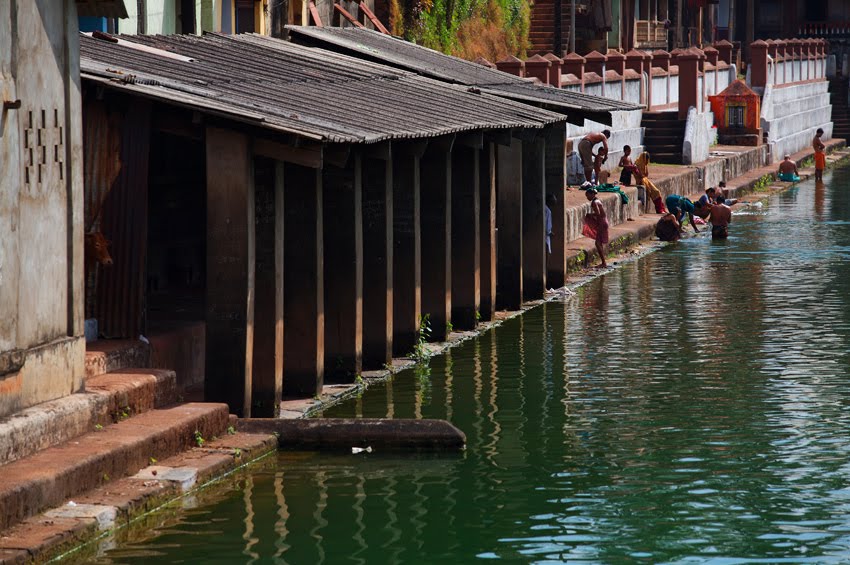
(788, 177)
(678, 206)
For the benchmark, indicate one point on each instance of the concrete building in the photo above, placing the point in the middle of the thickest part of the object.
(41, 200)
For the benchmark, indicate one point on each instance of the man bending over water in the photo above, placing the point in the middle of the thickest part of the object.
(720, 217)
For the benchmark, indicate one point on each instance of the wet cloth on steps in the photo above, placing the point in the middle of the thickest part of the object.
(624, 199)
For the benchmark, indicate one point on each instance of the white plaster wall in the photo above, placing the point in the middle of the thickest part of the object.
(41, 203)
(633, 89)
(791, 114)
(659, 91)
(698, 137)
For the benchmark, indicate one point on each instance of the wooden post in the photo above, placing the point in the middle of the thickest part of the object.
(268, 297)
(556, 159)
(304, 304)
(230, 270)
(533, 230)
(378, 259)
(509, 223)
(436, 195)
(487, 225)
(407, 247)
(466, 242)
(343, 270)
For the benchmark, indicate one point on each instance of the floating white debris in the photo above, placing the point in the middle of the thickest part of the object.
(356, 450)
(71, 503)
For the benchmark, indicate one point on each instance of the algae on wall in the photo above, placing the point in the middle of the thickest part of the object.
(491, 29)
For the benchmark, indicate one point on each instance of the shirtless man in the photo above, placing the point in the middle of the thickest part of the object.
(585, 150)
(788, 170)
(820, 155)
(721, 217)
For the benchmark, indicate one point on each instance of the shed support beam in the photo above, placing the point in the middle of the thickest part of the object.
(487, 228)
(509, 223)
(268, 310)
(304, 305)
(343, 271)
(230, 270)
(465, 248)
(533, 230)
(378, 261)
(436, 195)
(407, 251)
(556, 180)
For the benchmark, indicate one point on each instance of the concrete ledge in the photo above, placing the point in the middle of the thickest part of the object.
(110, 398)
(107, 355)
(345, 433)
(45, 479)
(120, 502)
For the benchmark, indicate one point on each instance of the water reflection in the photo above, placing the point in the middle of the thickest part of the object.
(691, 407)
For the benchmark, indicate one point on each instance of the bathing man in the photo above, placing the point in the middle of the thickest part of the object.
(788, 170)
(585, 150)
(721, 217)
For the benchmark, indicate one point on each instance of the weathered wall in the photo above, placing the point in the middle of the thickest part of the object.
(41, 344)
(791, 113)
(699, 136)
(625, 130)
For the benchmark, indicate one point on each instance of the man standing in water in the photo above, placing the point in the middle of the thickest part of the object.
(585, 150)
(820, 155)
(720, 217)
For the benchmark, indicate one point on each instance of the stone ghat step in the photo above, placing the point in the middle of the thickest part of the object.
(108, 398)
(107, 355)
(56, 531)
(53, 475)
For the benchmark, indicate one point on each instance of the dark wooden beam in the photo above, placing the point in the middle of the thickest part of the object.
(307, 156)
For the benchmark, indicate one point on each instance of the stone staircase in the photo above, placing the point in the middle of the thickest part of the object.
(838, 93)
(542, 31)
(126, 419)
(664, 134)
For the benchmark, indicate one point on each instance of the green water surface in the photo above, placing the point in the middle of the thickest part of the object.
(689, 407)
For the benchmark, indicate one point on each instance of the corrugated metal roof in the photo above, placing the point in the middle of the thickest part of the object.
(310, 92)
(391, 50)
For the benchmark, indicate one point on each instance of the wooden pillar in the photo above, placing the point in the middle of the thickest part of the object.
(230, 270)
(436, 195)
(487, 225)
(556, 159)
(343, 270)
(533, 229)
(267, 382)
(466, 242)
(304, 303)
(378, 258)
(407, 247)
(509, 225)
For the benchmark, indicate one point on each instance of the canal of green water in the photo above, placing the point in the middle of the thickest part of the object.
(689, 407)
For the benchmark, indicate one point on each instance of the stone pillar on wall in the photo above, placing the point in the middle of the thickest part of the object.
(555, 70)
(638, 61)
(594, 62)
(688, 79)
(794, 46)
(512, 65)
(617, 62)
(781, 76)
(711, 56)
(758, 65)
(573, 64)
(724, 49)
(538, 67)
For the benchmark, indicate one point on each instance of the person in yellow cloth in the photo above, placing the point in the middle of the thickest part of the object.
(642, 177)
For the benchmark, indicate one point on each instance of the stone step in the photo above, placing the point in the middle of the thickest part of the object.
(107, 399)
(51, 476)
(106, 355)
